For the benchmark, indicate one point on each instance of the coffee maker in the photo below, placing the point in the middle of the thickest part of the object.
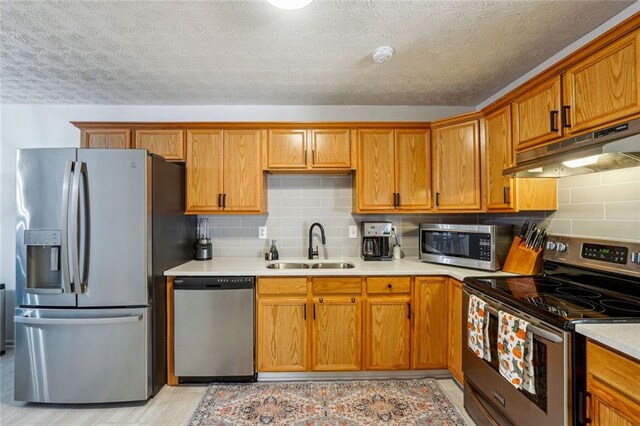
(376, 240)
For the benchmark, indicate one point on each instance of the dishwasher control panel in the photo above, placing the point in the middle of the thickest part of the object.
(218, 282)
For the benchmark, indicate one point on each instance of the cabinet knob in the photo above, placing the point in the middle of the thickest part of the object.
(389, 286)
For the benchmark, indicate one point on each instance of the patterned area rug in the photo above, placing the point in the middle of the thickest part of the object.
(367, 402)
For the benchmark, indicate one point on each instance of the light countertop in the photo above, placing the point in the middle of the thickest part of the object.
(624, 338)
(257, 267)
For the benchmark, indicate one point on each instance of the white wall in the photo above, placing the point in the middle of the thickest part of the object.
(33, 126)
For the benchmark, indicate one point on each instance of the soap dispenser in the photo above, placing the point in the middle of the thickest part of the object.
(274, 250)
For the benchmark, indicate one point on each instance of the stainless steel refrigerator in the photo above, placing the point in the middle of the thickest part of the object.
(95, 229)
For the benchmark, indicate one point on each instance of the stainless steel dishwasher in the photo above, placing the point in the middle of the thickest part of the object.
(214, 328)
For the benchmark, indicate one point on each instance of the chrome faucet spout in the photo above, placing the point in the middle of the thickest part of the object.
(311, 251)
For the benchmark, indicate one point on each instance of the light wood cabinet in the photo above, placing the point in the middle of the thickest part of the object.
(455, 329)
(388, 324)
(336, 339)
(223, 172)
(603, 87)
(431, 320)
(456, 165)
(536, 116)
(305, 149)
(393, 170)
(105, 138)
(282, 334)
(282, 324)
(506, 193)
(165, 143)
(613, 394)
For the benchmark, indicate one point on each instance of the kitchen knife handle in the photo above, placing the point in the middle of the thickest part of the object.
(553, 118)
(565, 116)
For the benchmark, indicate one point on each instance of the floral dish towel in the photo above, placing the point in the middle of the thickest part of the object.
(478, 328)
(515, 352)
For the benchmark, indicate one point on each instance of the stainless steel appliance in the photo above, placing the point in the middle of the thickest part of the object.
(584, 280)
(95, 230)
(204, 247)
(214, 328)
(376, 240)
(471, 246)
(3, 308)
(611, 148)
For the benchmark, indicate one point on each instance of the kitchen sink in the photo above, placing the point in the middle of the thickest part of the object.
(334, 265)
(321, 265)
(288, 265)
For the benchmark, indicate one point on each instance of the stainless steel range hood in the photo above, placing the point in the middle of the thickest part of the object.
(615, 147)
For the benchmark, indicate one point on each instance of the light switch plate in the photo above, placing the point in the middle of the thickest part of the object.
(353, 231)
(262, 232)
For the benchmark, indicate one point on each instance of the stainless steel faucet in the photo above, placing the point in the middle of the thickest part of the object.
(311, 251)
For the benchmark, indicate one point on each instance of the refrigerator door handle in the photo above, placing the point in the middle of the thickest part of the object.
(85, 233)
(74, 216)
(64, 261)
(77, 321)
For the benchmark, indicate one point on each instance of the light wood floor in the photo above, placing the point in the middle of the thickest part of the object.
(171, 406)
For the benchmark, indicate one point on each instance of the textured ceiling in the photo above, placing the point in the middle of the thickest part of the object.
(248, 52)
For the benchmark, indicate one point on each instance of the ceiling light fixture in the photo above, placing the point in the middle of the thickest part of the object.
(290, 4)
(382, 54)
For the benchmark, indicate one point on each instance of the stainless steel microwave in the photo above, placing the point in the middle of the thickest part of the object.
(471, 246)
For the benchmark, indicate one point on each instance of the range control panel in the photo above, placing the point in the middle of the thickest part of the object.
(608, 255)
(605, 253)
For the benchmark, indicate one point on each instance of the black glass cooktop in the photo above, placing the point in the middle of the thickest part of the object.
(568, 295)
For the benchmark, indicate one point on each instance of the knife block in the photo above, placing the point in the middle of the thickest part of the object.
(522, 260)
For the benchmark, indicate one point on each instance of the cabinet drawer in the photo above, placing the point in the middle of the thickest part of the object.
(388, 285)
(614, 369)
(336, 285)
(278, 286)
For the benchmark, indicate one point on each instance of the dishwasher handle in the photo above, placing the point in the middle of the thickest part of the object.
(214, 283)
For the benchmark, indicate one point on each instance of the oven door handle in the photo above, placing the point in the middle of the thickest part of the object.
(554, 338)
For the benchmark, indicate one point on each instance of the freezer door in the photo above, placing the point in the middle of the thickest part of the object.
(113, 250)
(82, 356)
(41, 261)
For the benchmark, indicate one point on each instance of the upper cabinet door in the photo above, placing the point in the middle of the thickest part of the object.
(376, 170)
(242, 171)
(204, 170)
(499, 157)
(536, 116)
(603, 87)
(456, 150)
(106, 138)
(331, 148)
(413, 169)
(166, 143)
(287, 149)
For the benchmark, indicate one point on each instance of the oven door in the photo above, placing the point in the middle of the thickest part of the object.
(491, 399)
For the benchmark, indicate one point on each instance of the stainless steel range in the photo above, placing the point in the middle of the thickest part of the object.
(584, 280)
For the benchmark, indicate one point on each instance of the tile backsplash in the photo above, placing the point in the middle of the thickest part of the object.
(297, 201)
(602, 205)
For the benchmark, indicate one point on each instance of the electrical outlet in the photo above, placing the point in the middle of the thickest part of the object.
(353, 231)
(262, 232)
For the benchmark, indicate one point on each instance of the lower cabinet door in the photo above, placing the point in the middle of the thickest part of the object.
(83, 355)
(282, 336)
(336, 334)
(430, 331)
(387, 333)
